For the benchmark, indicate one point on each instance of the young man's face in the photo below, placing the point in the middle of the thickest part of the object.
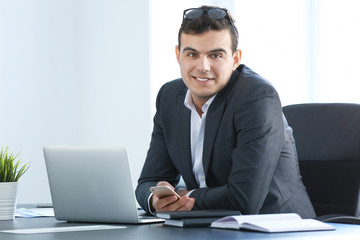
(206, 62)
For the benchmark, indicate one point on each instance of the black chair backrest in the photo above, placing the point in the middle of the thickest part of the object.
(327, 137)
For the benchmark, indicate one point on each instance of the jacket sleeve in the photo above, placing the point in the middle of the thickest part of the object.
(157, 166)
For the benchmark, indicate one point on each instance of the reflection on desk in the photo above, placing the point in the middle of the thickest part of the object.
(160, 232)
(34, 212)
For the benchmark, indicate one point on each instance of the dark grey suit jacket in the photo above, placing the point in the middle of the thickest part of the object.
(249, 156)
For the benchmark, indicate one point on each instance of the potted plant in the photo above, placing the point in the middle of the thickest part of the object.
(10, 172)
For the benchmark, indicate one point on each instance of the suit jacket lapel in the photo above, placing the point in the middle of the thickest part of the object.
(213, 120)
(184, 143)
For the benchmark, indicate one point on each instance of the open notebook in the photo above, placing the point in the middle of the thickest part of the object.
(287, 222)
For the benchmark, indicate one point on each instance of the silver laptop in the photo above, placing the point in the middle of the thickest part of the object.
(92, 184)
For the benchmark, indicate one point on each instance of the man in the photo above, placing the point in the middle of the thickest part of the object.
(221, 128)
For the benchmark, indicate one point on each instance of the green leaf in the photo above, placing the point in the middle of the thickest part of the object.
(9, 166)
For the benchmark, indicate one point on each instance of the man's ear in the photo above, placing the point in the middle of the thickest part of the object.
(237, 58)
(177, 52)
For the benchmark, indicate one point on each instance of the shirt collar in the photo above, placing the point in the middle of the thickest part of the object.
(188, 102)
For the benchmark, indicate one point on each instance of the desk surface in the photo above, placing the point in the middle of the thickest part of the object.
(160, 232)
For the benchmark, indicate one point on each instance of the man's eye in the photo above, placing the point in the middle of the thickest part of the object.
(192, 55)
(216, 55)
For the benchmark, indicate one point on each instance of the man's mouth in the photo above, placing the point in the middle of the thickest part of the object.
(202, 79)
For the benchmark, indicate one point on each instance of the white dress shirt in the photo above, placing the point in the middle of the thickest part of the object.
(197, 137)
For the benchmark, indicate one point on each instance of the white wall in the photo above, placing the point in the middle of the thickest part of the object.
(339, 50)
(273, 37)
(73, 72)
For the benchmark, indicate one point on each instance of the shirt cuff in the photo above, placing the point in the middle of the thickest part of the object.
(149, 207)
(188, 194)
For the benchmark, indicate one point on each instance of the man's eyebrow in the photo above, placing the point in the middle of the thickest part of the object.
(218, 50)
(189, 49)
(211, 51)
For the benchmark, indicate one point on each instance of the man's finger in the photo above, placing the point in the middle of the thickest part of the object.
(160, 203)
(188, 205)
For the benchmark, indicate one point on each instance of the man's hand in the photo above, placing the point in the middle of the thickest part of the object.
(171, 203)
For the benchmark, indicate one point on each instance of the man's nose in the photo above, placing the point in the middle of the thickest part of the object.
(204, 64)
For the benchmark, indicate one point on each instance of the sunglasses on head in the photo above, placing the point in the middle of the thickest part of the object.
(213, 13)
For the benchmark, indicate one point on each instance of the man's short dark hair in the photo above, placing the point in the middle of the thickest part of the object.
(204, 23)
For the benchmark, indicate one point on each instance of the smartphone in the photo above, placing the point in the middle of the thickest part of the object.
(163, 191)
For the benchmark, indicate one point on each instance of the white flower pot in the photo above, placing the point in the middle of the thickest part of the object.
(8, 194)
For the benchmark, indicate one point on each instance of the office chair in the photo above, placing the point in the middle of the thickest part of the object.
(327, 137)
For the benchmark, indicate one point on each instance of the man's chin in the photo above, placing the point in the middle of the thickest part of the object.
(203, 95)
